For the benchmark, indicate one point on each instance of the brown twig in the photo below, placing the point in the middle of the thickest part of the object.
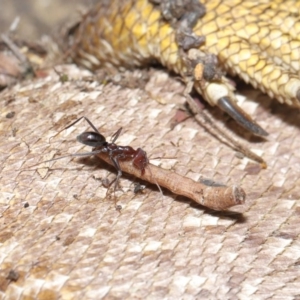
(214, 197)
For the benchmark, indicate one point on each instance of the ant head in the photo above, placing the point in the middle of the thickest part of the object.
(91, 138)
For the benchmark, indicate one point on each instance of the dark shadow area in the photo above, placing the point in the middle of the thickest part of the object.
(288, 114)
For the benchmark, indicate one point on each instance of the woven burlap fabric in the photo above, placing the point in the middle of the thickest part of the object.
(65, 240)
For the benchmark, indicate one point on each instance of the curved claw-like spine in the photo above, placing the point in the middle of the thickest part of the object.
(241, 117)
(222, 94)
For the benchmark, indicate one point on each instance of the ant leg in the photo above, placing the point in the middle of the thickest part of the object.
(89, 122)
(84, 154)
(76, 121)
(116, 179)
(116, 135)
(119, 174)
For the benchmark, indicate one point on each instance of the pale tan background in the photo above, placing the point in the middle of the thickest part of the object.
(71, 243)
(38, 17)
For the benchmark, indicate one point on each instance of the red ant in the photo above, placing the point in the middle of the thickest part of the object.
(116, 153)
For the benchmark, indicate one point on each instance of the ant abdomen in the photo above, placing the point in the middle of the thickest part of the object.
(92, 139)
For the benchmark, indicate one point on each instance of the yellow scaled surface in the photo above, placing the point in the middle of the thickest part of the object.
(257, 40)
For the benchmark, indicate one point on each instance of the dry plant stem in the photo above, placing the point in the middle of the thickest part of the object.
(207, 119)
(14, 48)
(239, 147)
(214, 197)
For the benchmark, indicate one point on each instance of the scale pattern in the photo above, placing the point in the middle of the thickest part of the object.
(257, 40)
(66, 241)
